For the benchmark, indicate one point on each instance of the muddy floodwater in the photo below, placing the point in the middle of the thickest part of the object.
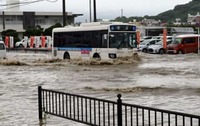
(170, 82)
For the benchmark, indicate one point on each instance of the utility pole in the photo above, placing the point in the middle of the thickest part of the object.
(95, 16)
(198, 42)
(90, 10)
(3, 15)
(64, 14)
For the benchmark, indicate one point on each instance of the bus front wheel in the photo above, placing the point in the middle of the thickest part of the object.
(66, 56)
(96, 56)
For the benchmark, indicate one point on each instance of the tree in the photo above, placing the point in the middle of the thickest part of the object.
(10, 32)
(48, 31)
(37, 31)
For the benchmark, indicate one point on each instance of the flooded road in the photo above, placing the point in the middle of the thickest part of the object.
(169, 82)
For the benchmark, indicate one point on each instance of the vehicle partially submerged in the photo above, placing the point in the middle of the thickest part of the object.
(188, 43)
(97, 40)
(146, 43)
(158, 47)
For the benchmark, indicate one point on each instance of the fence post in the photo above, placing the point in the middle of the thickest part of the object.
(119, 110)
(40, 101)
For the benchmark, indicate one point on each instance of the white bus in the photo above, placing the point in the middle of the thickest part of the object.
(94, 40)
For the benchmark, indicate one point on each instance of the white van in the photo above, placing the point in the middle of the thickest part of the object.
(2, 50)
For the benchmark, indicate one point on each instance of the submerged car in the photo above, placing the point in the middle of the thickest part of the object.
(146, 43)
(158, 47)
(188, 43)
(161, 37)
(145, 38)
(20, 43)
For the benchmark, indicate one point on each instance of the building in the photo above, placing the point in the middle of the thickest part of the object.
(150, 22)
(178, 21)
(21, 20)
(193, 19)
(171, 31)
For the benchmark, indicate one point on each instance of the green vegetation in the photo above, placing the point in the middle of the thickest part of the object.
(38, 31)
(179, 11)
(48, 31)
(125, 19)
(10, 32)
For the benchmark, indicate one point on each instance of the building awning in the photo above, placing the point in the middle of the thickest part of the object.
(182, 30)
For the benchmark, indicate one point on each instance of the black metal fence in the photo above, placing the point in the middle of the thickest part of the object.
(100, 112)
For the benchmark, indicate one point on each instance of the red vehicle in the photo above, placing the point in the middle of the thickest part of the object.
(184, 44)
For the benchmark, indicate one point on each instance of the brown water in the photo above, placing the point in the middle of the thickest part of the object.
(169, 82)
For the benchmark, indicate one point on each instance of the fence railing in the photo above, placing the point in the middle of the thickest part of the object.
(100, 112)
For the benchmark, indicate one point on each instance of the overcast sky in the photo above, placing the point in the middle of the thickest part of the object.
(107, 9)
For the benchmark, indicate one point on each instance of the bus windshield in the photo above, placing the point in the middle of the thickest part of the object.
(122, 40)
(177, 41)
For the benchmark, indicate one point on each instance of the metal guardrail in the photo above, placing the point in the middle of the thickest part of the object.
(100, 112)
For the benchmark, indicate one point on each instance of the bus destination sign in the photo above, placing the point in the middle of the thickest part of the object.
(122, 28)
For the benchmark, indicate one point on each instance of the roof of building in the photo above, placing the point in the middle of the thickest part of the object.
(182, 29)
(39, 13)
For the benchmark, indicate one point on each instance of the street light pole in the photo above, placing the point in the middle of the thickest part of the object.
(95, 18)
(198, 42)
(3, 13)
(64, 17)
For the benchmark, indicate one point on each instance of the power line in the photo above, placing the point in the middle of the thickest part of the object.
(14, 5)
(17, 4)
(53, 1)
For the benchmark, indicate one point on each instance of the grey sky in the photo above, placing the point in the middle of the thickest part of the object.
(107, 9)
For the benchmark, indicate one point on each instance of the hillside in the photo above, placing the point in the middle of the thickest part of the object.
(180, 11)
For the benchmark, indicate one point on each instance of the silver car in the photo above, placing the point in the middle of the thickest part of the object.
(158, 47)
(146, 43)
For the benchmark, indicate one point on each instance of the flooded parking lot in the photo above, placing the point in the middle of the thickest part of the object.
(169, 82)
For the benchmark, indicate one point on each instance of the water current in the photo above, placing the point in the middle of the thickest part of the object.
(170, 82)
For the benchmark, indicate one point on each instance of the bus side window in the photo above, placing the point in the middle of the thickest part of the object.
(104, 40)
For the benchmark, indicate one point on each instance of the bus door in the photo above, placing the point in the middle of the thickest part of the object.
(105, 41)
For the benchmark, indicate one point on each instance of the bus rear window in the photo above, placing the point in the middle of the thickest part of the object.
(2, 47)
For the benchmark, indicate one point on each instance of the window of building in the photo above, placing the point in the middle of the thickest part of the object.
(40, 21)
